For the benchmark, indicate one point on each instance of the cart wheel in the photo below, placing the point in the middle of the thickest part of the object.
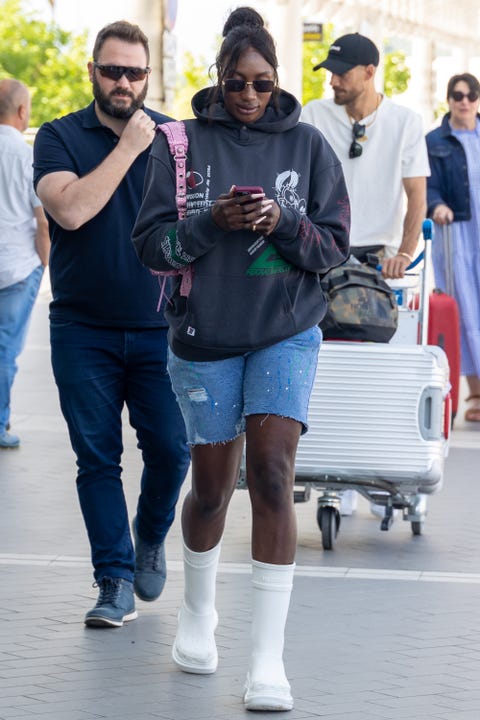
(417, 527)
(327, 522)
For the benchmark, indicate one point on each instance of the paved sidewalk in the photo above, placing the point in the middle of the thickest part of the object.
(385, 626)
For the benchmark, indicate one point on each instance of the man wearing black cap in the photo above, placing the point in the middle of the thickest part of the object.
(383, 153)
(382, 149)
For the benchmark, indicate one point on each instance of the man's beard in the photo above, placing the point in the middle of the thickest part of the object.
(106, 104)
(345, 97)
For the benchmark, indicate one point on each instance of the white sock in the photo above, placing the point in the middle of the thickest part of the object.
(197, 619)
(271, 590)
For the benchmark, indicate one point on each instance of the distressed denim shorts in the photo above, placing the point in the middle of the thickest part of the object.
(215, 397)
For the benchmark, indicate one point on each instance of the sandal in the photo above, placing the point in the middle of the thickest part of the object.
(472, 413)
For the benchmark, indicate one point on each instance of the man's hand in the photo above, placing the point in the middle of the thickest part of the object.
(395, 267)
(138, 133)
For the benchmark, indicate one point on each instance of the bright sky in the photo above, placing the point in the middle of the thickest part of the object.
(199, 22)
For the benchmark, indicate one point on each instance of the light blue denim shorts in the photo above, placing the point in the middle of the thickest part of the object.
(215, 397)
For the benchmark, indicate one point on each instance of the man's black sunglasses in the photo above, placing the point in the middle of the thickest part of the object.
(115, 72)
(238, 85)
(355, 148)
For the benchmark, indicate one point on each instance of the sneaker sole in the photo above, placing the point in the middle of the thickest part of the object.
(101, 621)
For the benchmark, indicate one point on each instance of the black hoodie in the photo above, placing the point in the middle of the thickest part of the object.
(248, 291)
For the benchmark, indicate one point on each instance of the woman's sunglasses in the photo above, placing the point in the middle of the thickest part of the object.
(458, 96)
(115, 72)
(237, 85)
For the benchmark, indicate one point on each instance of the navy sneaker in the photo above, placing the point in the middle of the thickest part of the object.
(150, 567)
(7, 440)
(115, 604)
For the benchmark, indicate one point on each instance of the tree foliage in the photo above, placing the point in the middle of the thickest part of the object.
(314, 51)
(49, 60)
(193, 77)
(396, 72)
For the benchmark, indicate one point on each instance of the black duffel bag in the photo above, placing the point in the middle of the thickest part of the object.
(361, 305)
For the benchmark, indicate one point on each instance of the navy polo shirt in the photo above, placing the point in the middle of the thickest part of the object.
(95, 273)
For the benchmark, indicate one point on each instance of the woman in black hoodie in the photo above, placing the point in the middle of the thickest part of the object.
(244, 342)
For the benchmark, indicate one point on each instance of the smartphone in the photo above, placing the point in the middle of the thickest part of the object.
(248, 190)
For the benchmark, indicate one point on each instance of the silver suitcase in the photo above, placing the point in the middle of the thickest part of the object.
(379, 423)
(378, 411)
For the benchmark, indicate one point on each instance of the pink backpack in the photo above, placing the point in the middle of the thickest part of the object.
(178, 145)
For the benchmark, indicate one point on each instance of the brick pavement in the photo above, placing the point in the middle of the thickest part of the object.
(384, 626)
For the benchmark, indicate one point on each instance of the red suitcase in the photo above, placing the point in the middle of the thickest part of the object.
(444, 322)
(444, 331)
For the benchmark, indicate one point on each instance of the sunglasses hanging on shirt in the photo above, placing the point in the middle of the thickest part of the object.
(358, 132)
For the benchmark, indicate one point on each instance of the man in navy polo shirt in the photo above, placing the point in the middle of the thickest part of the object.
(109, 343)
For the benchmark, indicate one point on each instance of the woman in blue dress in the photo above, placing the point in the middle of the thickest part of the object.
(453, 194)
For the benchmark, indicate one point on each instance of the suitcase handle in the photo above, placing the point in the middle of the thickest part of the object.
(430, 407)
(427, 231)
(426, 256)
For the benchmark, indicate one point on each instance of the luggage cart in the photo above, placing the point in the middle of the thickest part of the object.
(379, 421)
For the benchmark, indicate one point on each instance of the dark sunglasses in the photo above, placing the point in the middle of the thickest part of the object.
(355, 148)
(115, 72)
(458, 96)
(237, 85)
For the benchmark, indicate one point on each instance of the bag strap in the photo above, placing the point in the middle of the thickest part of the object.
(178, 145)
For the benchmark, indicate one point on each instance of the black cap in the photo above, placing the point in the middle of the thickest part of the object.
(349, 51)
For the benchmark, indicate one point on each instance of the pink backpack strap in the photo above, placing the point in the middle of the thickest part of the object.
(178, 144)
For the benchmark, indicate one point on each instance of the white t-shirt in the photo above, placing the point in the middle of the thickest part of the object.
(18, 257)
(394, 148)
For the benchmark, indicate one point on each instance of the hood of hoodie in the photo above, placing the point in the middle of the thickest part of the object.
(280, 115)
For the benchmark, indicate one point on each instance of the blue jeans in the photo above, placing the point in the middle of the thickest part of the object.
(16, 304)
(98, 371)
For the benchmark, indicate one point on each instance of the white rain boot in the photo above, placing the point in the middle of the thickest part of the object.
(267, 687)
(194, 649)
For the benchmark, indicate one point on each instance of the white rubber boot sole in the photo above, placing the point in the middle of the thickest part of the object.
(195, 659)
(267, 697)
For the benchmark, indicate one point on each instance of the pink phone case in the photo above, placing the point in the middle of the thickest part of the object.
(248, 190)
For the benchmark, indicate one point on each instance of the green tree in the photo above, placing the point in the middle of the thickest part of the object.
(396, 73)
(314, 51)
(193, 77)
(49, 60)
